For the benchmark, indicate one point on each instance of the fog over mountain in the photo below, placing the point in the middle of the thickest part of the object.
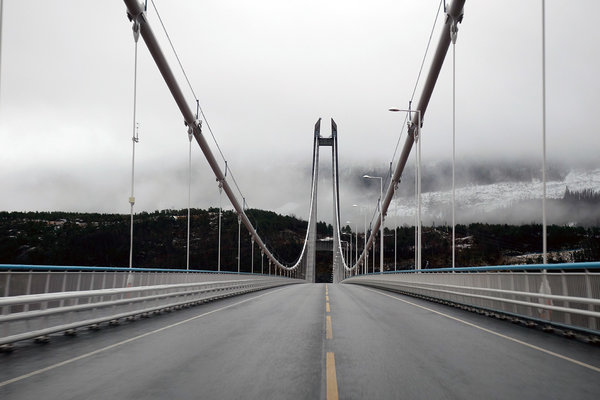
(493, 192)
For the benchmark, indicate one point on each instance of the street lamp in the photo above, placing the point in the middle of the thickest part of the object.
(380, 219)
(417, 137)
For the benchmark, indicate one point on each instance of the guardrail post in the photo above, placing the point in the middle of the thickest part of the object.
(512, 288)
(28, 289)
(565, 292)
(592, 322)
(63, 287)
(527, 275)
(7, 285)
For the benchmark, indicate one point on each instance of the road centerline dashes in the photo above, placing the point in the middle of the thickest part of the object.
(332, 386)
(330, 373)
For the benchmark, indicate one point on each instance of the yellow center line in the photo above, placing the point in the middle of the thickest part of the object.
(327, 308)
(328, 330)
(332, 387)
(326, 298)
(531, 346)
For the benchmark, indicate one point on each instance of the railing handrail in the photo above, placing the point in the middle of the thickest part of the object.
(54, 296)
(26, 267)
(595, 265)
(573, 299)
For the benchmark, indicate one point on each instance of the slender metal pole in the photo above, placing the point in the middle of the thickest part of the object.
(453, 151)
(239, 240)
(381, 225)
(374, 256)
(380, 206)
(395, 246)
(219, 247)
(252, 262)
(416, 208)
(189, 199)
(419, 191)
(356, 249)
(453, 37)
(544, 232)
(262, 265)
(134, 139)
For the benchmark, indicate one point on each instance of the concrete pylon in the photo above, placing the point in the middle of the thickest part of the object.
(338, 267)
(311, 249)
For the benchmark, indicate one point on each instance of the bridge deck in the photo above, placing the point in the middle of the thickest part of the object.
(274, 344)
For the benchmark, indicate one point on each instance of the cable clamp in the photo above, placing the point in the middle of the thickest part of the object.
(453, 31)
(454, 25)
(136, 29)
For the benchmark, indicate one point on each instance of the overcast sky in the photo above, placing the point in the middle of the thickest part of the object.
(264, 72)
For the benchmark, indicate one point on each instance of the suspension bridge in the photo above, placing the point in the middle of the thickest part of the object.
(418, 334)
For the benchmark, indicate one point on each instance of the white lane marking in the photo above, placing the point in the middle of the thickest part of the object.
(112, 346)
(531, 346)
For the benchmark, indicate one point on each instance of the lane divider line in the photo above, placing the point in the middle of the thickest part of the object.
(327, 308)
(332, 386)
(328, 330)
(112, 346)
(531, 346)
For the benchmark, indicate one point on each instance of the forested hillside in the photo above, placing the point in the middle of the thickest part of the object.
(160, 239)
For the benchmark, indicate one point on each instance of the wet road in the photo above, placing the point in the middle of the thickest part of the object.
(306, 341)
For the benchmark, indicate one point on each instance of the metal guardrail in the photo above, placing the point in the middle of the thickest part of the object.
(564, 295)
(38, 300)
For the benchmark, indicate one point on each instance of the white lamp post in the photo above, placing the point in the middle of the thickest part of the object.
(365, 235)
(239, 240)
(380, 221)
(220, 212)
(252, 262)
(417, 138)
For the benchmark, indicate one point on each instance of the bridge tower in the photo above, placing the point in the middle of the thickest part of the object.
(319, 141)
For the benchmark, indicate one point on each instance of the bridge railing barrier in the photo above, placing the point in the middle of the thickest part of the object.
(36, 303)
(565, 295)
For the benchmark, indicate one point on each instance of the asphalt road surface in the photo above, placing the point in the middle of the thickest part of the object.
(308, 341)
